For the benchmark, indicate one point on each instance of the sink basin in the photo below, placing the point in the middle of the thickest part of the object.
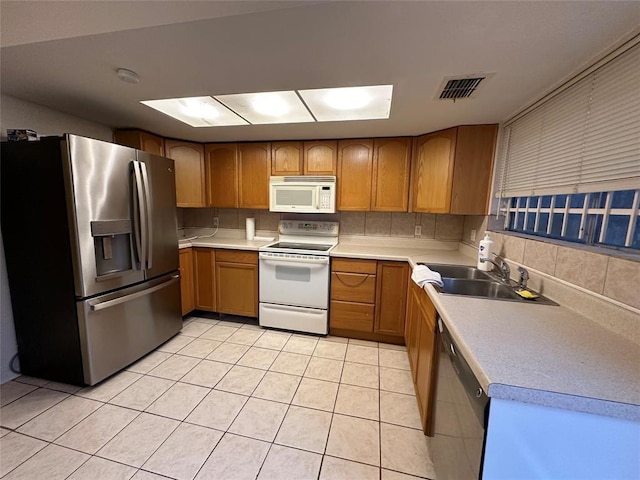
(478, 288)
(458, 271)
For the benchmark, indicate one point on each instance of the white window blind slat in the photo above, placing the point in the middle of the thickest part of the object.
(585, 137)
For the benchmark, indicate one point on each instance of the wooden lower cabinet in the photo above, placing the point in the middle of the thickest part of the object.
(237, 281)
(187, 293)
(368, 299)
(204, 265)
(391, 298)
(421, 339)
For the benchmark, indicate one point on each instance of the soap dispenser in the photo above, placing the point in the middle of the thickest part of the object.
(484, 250)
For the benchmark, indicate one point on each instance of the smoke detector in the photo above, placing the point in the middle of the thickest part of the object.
(128, 76)
(461, 86)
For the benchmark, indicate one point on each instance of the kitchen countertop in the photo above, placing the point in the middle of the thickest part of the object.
(230, 243)
(539, 354)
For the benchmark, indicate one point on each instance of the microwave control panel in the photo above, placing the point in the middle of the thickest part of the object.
(325, 198)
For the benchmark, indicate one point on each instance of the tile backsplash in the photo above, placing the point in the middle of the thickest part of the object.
(379, 224)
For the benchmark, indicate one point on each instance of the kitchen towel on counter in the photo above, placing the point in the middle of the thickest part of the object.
(422, 274)
(251, 228)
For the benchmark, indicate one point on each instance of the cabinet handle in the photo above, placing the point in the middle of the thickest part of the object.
(352, 285)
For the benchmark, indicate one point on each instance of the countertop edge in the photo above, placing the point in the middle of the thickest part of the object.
(563, 401)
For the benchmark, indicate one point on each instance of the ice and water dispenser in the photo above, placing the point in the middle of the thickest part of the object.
(112, 247)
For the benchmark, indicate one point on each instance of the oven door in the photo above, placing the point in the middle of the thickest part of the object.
(301, 282)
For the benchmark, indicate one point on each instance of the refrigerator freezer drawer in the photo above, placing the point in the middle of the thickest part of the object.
(119, 328)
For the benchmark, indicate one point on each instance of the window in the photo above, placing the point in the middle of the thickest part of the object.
(570, 165)
(602, 218)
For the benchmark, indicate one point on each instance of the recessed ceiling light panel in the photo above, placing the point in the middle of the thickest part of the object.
(349, 103)
(197, 111)
(267, 107)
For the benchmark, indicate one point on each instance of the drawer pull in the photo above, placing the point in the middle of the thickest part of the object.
(354, 284)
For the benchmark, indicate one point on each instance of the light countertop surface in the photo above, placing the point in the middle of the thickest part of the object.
(545, 355)
(230, 243)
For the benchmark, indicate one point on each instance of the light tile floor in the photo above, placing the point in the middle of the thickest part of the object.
(224, 400)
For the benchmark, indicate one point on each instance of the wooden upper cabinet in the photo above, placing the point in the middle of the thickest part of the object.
(286, 158)
(190, 172)
(475, 147)
(320, 157)
(222, 174)
(355, 166)
(451, 170)
(254, 169)
(141, 140)
(390, 181)
(432, 174)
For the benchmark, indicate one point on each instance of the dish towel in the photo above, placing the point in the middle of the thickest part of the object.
(422, 274)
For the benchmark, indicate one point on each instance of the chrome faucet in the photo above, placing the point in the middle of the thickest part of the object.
(501, 265)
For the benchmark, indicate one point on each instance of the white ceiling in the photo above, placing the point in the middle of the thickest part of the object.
(64, 55)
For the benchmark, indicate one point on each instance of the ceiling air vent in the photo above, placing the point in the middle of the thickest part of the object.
(455, 88)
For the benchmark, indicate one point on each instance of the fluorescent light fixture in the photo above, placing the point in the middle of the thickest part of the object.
(267, 107)
(349, 103)
(197, 111)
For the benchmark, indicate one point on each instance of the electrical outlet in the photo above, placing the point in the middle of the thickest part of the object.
(418, 230)
(472, 237)
(216, 221)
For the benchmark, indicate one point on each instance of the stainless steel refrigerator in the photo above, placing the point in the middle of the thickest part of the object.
(90, 238)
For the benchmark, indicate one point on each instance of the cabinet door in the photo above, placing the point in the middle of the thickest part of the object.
(187, 293)
(413, 327)
(475, 145)
(254, 169)
(205, 268)
(355, 165)
(286, 158)
(222, 174)
(320, 157)
(144, 141)
(432, 172)
(190, 182)
(391, 298)
(237, 288)
(390, 181)
(427, 361)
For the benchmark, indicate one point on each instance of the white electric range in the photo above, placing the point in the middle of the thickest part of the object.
(295, 275)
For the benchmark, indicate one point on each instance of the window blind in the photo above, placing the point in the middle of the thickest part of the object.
(586, 138)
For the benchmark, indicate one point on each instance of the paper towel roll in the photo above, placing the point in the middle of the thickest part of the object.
(251, 228)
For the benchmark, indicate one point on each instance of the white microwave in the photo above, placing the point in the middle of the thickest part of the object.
(302, 194)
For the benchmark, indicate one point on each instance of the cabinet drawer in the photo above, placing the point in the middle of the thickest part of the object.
(352, 265)
(351, 316)
(353, 287)
(237, 256)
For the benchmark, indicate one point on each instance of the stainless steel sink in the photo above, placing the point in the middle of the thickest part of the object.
(471, 282)
(478, 288)
(458, 271)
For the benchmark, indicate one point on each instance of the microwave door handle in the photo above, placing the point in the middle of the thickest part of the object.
(316, 199)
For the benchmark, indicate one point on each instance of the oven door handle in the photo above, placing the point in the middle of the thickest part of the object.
(275, 261)
(290, 308)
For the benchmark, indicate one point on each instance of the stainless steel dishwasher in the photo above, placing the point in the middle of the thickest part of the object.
(461, 412)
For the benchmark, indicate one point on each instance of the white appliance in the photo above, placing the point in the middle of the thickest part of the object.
(294, 277)
(302, 194)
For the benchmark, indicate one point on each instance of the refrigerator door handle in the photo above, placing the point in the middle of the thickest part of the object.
(142, 229)
(149, 210)
(127, 298)
(135, 202)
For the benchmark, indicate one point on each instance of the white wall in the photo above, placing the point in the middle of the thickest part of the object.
(16, 113)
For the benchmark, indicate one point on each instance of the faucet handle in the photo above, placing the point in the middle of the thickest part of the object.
(524, 277)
